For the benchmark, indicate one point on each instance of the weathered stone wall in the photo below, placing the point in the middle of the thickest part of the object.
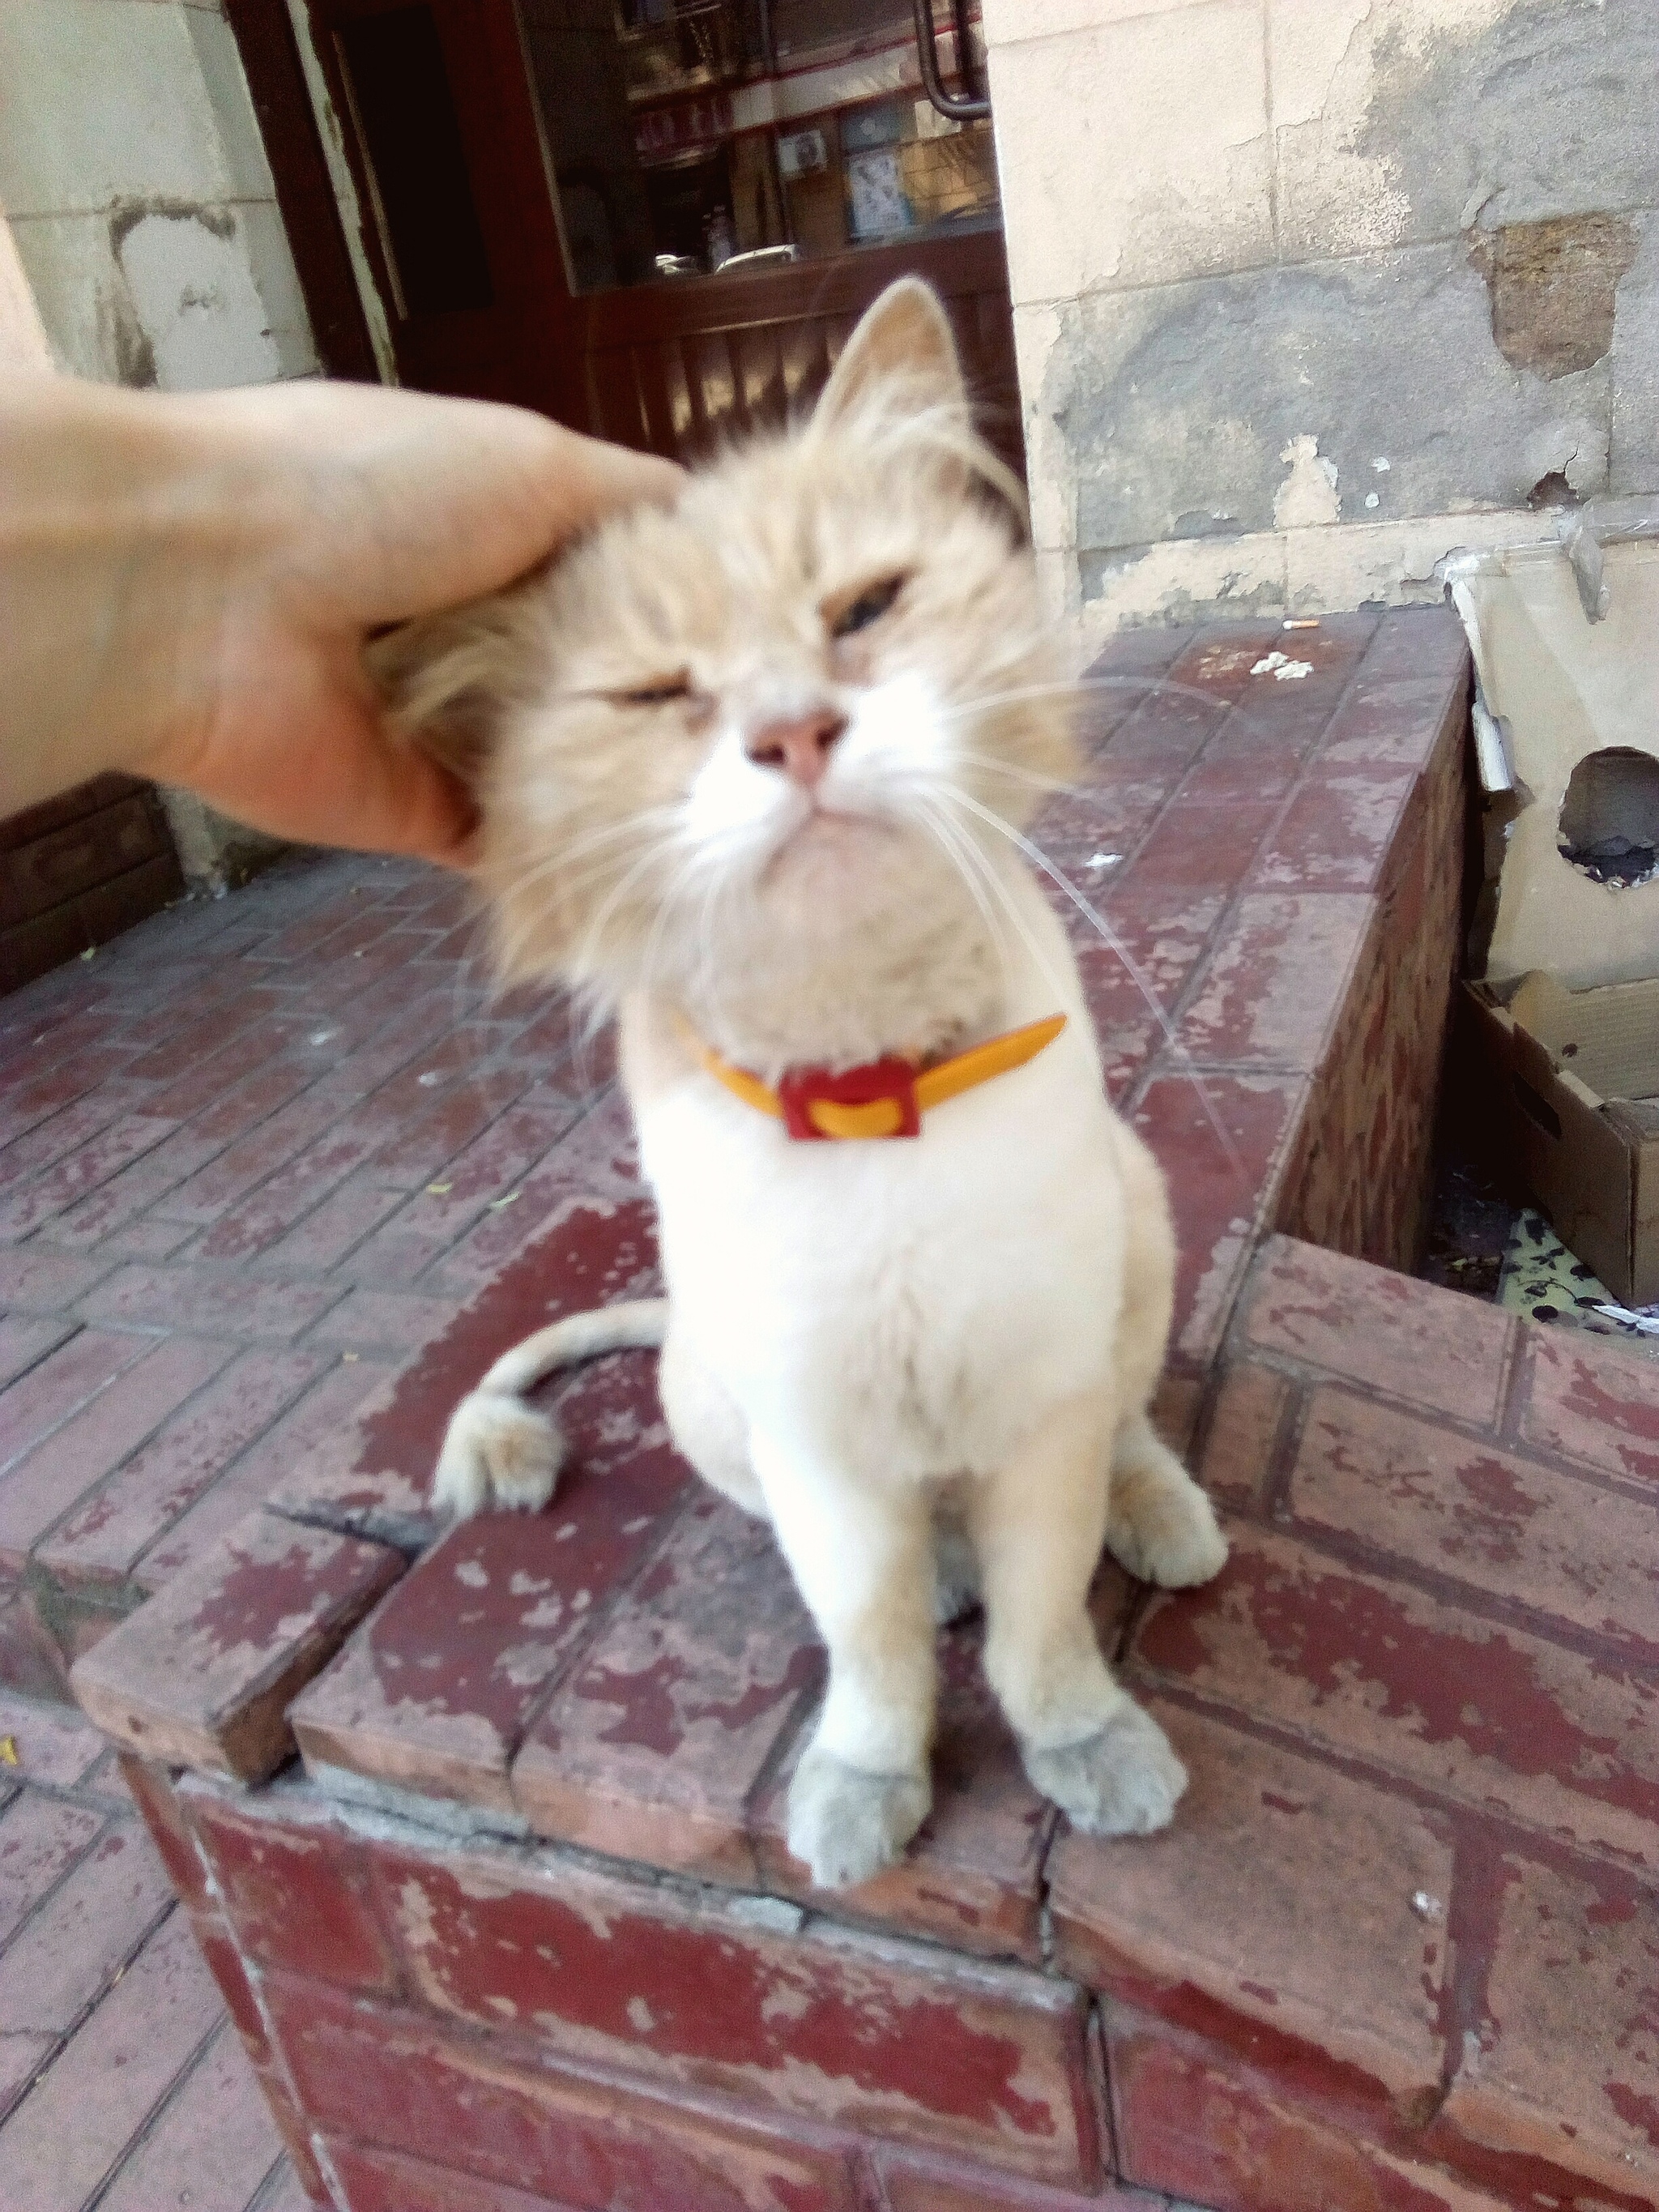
(1309, 291)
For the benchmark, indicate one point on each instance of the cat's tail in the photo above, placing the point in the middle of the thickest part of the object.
(496, 1448)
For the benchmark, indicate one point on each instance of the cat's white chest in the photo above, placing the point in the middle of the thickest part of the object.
(910, 1305)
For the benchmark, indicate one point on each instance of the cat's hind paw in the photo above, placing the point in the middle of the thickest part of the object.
(496, 1450)
(1162, 1529)
(846, 1824)
(1124, 1780)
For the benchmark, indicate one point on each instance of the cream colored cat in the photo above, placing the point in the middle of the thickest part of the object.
(744, 765)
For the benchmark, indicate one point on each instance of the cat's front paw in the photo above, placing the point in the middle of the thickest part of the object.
(1124, 1780)
(846, 1824)
(496, 1450)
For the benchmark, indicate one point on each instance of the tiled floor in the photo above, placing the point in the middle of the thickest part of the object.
(124, 2084)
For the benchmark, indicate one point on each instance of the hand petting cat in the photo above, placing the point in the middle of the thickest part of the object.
(186, 582)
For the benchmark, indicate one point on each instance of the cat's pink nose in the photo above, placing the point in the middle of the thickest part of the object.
(801, 747)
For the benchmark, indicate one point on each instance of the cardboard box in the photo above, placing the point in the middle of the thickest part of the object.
(1577, 1082)
(1568, 739)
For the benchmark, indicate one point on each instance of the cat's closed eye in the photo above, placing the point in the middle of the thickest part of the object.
(871, 604)
(655, 694)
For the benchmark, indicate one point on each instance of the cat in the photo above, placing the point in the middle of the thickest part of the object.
(748, 767)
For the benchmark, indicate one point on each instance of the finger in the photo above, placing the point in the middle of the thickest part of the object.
(507, 491)
(400, 502)
(348, 787)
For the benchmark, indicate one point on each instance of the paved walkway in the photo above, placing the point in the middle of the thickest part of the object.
(126, 2085)
(198, 1127)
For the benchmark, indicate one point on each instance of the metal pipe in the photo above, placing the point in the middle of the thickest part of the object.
(961, 107)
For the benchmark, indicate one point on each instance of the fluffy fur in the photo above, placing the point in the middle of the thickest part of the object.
(899, 1352)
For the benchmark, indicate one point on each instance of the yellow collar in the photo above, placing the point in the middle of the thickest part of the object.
(883, 1097)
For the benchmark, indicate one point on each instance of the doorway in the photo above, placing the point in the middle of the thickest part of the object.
(658, 220)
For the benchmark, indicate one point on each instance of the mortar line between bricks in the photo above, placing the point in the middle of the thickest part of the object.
(1282, 1453)
(120, 1582)
(1309, 1375)
(48, 1897)
(1344, 1548)
(265, 2195)
(1516, 1395)
(1544, 1845)
(147, 2127)
(151, 1339)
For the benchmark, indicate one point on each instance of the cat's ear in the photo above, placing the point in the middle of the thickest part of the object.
(902, 347)
(446, 682)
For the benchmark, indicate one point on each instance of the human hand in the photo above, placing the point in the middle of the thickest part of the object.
(186, 582)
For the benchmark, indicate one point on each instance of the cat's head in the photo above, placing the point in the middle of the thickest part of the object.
(750, 741)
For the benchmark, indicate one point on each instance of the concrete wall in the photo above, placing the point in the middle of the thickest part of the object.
(1309, 291)
(140, 197)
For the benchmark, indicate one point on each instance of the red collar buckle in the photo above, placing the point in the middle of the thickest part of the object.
(894, 1080)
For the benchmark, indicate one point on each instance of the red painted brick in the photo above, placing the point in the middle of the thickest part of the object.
(152, 1790)
(926, 2185)
(62, 1958)
(64, 2138)
(1238, 1451)
(39, 1488)
(1204, 845)
(40, 1840)
(402, 1321)
(1307, 1955)
(50, 1393)
(1461, 1509)
(25, 1208)
(1276, 980)
(1223, 1187)
(212, 2145)
(203, 1676)
(382, 2181)
(435, 1693)
(323, 1238)
(1431, 1346)
(297, 1893)
(1485, 1714)
(1592, 1402)
(20, 2058)
(179, 1297)
(147, 1239)
(36, 1278)
(1339, 830)
(320, 1415)
(1208, 2128)
(25, 1342)
(896, 2040)
(105, 1535)
(592, 1181)
(53, 1743)
(225, 1963)
(489, 1170)
(652, 1748)
(54, 1138)
(265, 1148)
(505, 2116)
(1558, 2090)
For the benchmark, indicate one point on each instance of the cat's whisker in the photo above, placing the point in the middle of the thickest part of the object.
(1039, 859)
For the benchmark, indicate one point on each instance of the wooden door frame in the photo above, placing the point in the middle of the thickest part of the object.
(263, 32)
